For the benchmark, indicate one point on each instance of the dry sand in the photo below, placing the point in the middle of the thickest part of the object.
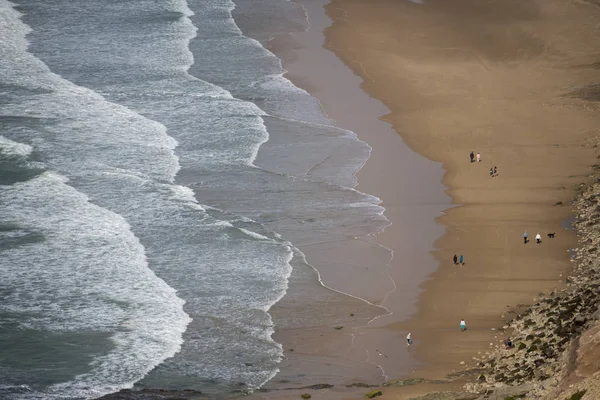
(498, 77)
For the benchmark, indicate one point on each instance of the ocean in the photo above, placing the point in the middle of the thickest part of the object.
(158, 177)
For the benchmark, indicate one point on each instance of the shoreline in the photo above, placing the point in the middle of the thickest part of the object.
(324, 76)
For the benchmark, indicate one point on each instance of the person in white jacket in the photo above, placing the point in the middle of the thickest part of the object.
(538, 238)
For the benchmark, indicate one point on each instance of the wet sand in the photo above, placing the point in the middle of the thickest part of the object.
(410, 189)
(503, 79)
(500, 78)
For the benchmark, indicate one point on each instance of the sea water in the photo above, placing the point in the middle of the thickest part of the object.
(144, 234)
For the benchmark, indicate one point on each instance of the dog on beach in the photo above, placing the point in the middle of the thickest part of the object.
(551, 235)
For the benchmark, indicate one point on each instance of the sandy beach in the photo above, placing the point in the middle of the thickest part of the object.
(502, 79)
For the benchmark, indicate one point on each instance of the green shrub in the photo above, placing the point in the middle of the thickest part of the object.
(533, 347)
(578, 395)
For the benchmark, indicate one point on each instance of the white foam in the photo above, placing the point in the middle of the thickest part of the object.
(255, 235)
(186, 195)
(226, 224)
(14, 148)
(89, 257)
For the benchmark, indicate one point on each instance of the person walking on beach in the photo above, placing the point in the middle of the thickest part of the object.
(478, 157)
(455, 259)
(491, 172)
(472, 155)
(408, 339)
(461, 260)
(495, 171)
(463, 325)
(525, 237)
(538, 238)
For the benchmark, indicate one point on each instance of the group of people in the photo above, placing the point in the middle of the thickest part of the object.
(538, 238)
(458, 260)
(477, 157)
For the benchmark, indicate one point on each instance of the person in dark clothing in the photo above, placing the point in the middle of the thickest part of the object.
(455, 259)
(472, 155)
(525, 236)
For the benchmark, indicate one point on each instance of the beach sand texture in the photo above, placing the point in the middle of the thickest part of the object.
(508, 79)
